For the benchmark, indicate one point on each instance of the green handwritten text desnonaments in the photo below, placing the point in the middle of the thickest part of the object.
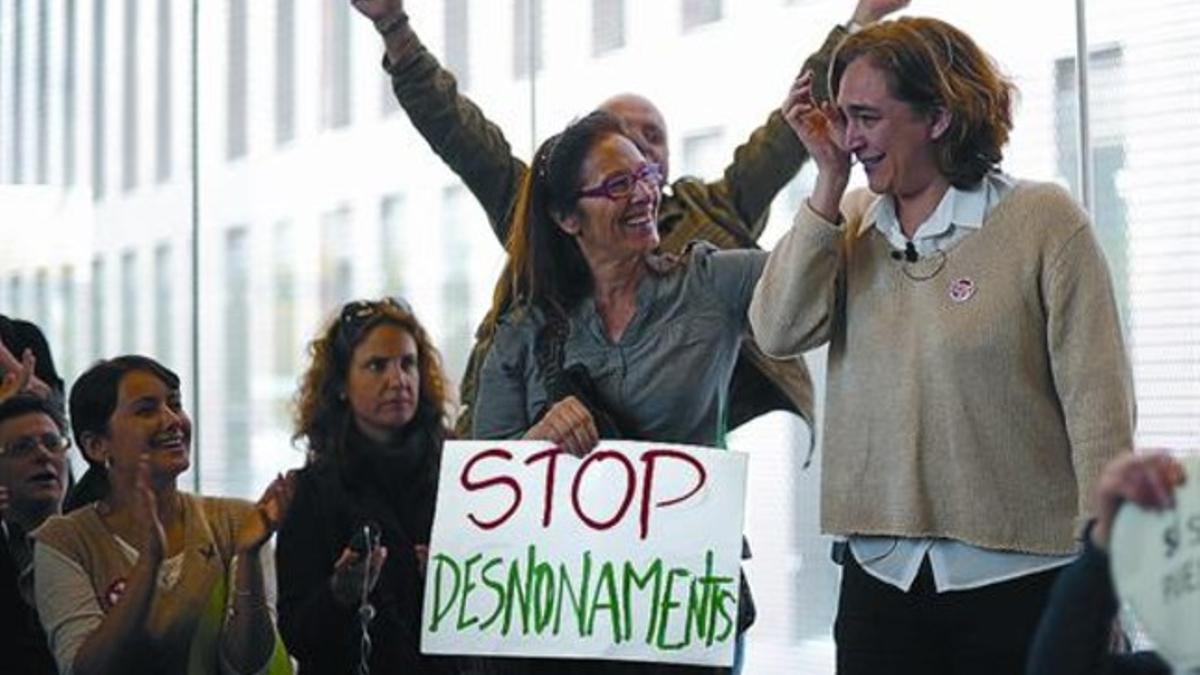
(669, 608)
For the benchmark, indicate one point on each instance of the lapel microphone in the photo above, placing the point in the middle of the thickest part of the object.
(909, 254)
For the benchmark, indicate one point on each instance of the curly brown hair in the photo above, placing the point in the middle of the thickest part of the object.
(930, 64)
(322, 414)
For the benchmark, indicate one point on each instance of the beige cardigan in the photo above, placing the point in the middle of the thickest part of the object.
(979, 404)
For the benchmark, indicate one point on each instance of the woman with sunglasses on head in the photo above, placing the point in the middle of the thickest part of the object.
(372, 411)
(610, 339)
(151, 579)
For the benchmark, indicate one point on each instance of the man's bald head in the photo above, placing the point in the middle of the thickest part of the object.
(645, 125)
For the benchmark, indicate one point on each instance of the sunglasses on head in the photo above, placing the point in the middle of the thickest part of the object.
(358, 313)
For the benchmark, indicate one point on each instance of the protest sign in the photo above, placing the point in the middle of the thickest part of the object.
(629, 553)
(1156, 569)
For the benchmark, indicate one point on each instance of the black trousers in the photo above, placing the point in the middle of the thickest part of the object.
(881, 630)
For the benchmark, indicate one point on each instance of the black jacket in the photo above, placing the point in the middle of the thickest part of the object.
(22, 641)
(1073, 636)
(392, 487)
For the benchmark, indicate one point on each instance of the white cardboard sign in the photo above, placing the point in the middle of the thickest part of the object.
(1156, 568)
(629, 553)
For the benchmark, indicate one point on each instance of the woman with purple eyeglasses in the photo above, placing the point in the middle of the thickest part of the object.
(609, 338)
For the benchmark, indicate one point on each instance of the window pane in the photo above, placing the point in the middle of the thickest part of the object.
(235, 99)
(335, 64)
(162, 117)
(129, 102)
(699, 12)
(608, 25)
(285, 71)
(1145, 103)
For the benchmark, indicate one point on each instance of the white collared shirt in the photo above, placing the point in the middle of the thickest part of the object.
(956, 565)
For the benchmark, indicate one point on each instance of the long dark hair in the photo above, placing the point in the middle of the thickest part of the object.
(92, 403)
(545, 267)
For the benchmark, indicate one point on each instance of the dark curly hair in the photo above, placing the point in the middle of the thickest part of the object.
(322, 415)
(931, 64)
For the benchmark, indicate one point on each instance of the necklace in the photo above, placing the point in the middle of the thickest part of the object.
(925, 268)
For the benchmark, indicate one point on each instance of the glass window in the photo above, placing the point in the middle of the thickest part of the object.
(99, 101)
(310, 220)
(16, 100)
(236, 132)
(391, 247)
(66, 351)
(129, 303)
(43, 90)
(129, 103)
(162, 100)
(337, 263)
(164, 302)
(704, 153)
(335, 64)
(16, 295)
(1144, 104)
(69, 99)
(228, 469)
(97, 309)
(41, 298)
(608, 26)
(457, 317)
(457, 37)
(699, 12)
(527, 37)
(285, 71)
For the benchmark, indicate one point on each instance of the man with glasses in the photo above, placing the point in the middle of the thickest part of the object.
(33, 478)
(730, 212)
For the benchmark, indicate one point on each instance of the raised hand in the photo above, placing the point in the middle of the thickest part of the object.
(870, 11)
(820, 127)
(569, 425)
(269, 512)
(347, 579)
(18, 376)
(1147, 479)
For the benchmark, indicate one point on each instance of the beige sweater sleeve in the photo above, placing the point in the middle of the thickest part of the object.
(795, 300)
(1089, 363)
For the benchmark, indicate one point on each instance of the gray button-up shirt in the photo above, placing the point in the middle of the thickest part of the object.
(667, 375)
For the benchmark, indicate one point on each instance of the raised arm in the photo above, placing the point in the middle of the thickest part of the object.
(772, 155)
(248, 637)
(472, 146)
(795, 300)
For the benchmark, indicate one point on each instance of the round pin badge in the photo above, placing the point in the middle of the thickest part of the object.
(115, 590)
(961, 289)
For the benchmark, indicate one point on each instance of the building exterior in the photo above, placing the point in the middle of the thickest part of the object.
(269, 158)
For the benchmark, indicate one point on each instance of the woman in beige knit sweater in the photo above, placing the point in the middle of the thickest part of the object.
(977, 377)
